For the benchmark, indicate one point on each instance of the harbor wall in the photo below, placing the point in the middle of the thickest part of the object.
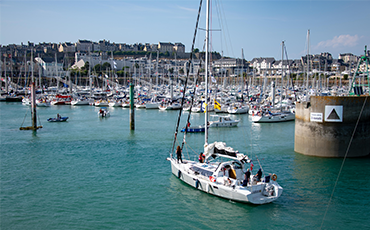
(324, 126)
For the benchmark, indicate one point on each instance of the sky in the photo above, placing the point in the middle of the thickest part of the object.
(249, 28)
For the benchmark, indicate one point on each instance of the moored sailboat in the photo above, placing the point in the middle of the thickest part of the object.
(269, 117)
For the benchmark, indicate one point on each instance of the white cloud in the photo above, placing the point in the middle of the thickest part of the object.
(187, 9)
(339, 41)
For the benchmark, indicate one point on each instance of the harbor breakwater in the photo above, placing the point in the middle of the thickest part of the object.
(333, 126)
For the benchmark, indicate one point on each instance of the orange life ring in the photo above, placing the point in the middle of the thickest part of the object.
(274, 177)
(212, 179)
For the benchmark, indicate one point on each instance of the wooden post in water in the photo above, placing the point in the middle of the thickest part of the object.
(33, 110)
(132, 108)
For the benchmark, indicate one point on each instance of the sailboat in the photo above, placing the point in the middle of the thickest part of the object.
(222, 171)
(267, 116)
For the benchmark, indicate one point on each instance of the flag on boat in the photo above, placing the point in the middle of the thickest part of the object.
(204, 106)
(217, 105)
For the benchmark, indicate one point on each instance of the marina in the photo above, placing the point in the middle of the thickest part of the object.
(260, 121)
(97, 173)
(107, 166)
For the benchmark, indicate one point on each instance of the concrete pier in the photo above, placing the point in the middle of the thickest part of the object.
(324, 126)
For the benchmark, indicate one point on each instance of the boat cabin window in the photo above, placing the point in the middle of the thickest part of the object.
(201, 171)
(237, 165)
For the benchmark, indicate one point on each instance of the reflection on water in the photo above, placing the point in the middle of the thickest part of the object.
(217, 213)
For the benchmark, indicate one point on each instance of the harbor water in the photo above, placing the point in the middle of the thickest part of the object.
(94, 173)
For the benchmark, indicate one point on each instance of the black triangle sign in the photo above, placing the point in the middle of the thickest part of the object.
(333, 115)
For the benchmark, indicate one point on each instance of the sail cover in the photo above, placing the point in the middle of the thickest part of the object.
(221, 149)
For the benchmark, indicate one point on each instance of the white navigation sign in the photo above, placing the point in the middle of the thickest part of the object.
(334, 113)
(316, 117)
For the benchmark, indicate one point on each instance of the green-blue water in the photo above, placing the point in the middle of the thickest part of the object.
(92, 173)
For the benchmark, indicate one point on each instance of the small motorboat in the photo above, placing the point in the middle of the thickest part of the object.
(195, 129)
(58, 119)
(103, 112)
(222, 121)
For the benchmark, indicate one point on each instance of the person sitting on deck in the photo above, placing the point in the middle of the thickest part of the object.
(58, 116)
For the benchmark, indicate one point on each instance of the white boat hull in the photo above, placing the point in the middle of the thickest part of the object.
(242, 110)
(152, 105)
(80, 102)
(101, 104)
(273, 118)
(115, 104)
(43, 104)
(140, 106)
(170, 107)
(126, 105)
(222, 121)
(250, 194)
(224, 124)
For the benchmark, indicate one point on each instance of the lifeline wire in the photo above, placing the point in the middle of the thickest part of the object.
(345, 156)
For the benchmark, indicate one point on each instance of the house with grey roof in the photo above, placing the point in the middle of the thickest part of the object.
(50, 68)
(67, 47)
(233, 66)
(84, 46)
(263, 65)
(348, 58)
(164, 47)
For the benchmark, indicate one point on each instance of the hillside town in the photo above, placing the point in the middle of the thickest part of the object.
(163, 59)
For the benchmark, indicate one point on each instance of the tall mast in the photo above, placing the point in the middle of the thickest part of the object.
(56, 72)
(308, 58)
(33, 80)
(33, 96)
(6, 78)
(40, 72)
(156, 70)
(282, 75)
(90, 78)
(150, 73)
(206, 72)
